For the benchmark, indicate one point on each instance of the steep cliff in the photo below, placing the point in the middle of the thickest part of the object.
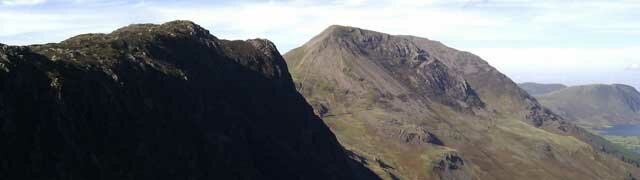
(166, 101)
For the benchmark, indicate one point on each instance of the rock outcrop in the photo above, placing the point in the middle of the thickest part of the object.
(166, 101)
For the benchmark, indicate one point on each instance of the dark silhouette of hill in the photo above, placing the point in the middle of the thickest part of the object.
(166, 101)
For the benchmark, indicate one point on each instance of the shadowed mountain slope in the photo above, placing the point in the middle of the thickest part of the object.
(596, 105)
(412, 108)
(163, 101)
(537, 89)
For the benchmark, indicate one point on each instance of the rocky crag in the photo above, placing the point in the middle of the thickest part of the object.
(166, 101)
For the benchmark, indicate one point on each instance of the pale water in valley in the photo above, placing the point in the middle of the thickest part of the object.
(623, 130)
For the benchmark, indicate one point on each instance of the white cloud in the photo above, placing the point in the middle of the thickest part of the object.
(570, 66)
(350, 2)
(292, 23)
(554, 59)
(21, 2)
(519, 37)
(21, 27)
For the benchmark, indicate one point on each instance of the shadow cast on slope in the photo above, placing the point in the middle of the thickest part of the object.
(193, 113)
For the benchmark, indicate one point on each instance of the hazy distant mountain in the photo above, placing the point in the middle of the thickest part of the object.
(536, 89)
(164, 101)
(596, 105)
(412, 108)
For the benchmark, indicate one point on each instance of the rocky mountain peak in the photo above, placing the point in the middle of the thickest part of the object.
(415, 101)
(349, 37)
(339, 31)
(163, 101)
(383, 64)
(136, 34)
(180, 27)
(153, 44)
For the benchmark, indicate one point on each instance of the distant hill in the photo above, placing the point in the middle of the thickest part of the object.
(537, 89)
(595, 105)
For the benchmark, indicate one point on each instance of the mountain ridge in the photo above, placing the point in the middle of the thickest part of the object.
(596, 105)
(166, 101)
(363, 84)
(536, 89)
(172, 101)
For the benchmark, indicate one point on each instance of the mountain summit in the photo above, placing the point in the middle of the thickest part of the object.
(166, 101)
(413, 108)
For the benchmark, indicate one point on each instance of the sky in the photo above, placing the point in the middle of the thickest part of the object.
(548, 41)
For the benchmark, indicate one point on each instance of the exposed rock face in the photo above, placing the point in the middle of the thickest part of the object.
(538, 115)
(418, 105)
(449, 168)
(442, 84)
(596, 105)
(164, 101)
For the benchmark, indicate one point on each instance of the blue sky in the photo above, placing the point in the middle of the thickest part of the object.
(564, 41)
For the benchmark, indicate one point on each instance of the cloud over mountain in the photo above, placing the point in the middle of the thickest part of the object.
(21, 2)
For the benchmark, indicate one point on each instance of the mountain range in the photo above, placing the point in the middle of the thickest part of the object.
(172, 101)
(593, 106)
